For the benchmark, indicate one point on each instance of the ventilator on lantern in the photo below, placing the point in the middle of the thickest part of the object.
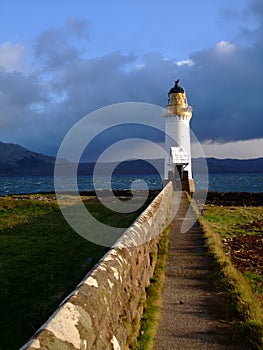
(178, 165)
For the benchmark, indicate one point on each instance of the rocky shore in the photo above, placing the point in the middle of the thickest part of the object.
(235, 198)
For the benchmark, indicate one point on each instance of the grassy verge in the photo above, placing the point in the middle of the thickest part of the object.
(151, 315)
(241, 230)
(233, 221)
(41, 261)
(241, 301)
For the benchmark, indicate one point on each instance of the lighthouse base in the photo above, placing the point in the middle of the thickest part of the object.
(182, 183)
(191, 185)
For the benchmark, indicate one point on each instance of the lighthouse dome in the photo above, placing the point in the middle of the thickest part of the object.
(176, 88)
(177, 102)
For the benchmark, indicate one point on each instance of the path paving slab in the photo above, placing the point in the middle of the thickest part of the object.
(192, 309)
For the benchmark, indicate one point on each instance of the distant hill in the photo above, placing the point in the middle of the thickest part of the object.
(137, 166)
(228, 165)
(19, 161)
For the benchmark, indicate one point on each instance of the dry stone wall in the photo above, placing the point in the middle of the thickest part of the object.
(104, 311)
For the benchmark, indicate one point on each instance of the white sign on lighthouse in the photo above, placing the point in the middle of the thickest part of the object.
(178, 167)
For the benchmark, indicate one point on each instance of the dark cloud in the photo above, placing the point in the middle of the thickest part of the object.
(19, 90)
(255, 9)
(224, 84)
(79, 28)
(54, 50)
(18, 96)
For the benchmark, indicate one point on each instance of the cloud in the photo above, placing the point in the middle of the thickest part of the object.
(224, 84)
(239, 149)
(255, 9)
(18, 93)
(79, 28)
(185, 63)
(58, 47)
(53, 49)
(12, 56)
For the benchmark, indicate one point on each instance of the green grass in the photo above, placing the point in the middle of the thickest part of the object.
(231, 221)
(41, 261)
(151, 315)
(256, 281)
(241, 301)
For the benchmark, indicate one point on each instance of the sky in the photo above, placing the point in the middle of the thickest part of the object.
(60, 60)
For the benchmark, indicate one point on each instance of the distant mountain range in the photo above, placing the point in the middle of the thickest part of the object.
(19, 161)
(229, 165)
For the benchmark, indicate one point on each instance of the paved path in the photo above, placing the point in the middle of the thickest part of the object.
(192, 311)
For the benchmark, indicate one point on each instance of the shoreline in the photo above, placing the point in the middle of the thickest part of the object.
(213, 197)
(243, 199)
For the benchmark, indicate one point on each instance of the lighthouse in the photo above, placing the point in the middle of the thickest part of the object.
(178, 165)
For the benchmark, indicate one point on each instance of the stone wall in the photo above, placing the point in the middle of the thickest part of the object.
(104, 311)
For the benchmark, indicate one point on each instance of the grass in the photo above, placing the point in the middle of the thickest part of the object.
(232, 221)
(151, 315)
(256, 281)
(229, 222)
(242, 304)
(41, 261)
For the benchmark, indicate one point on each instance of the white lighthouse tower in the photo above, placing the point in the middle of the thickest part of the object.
(178, 113)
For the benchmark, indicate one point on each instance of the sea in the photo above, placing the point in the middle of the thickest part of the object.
(235, 182)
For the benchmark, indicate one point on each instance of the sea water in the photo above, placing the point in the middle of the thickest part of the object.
(244, 182)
